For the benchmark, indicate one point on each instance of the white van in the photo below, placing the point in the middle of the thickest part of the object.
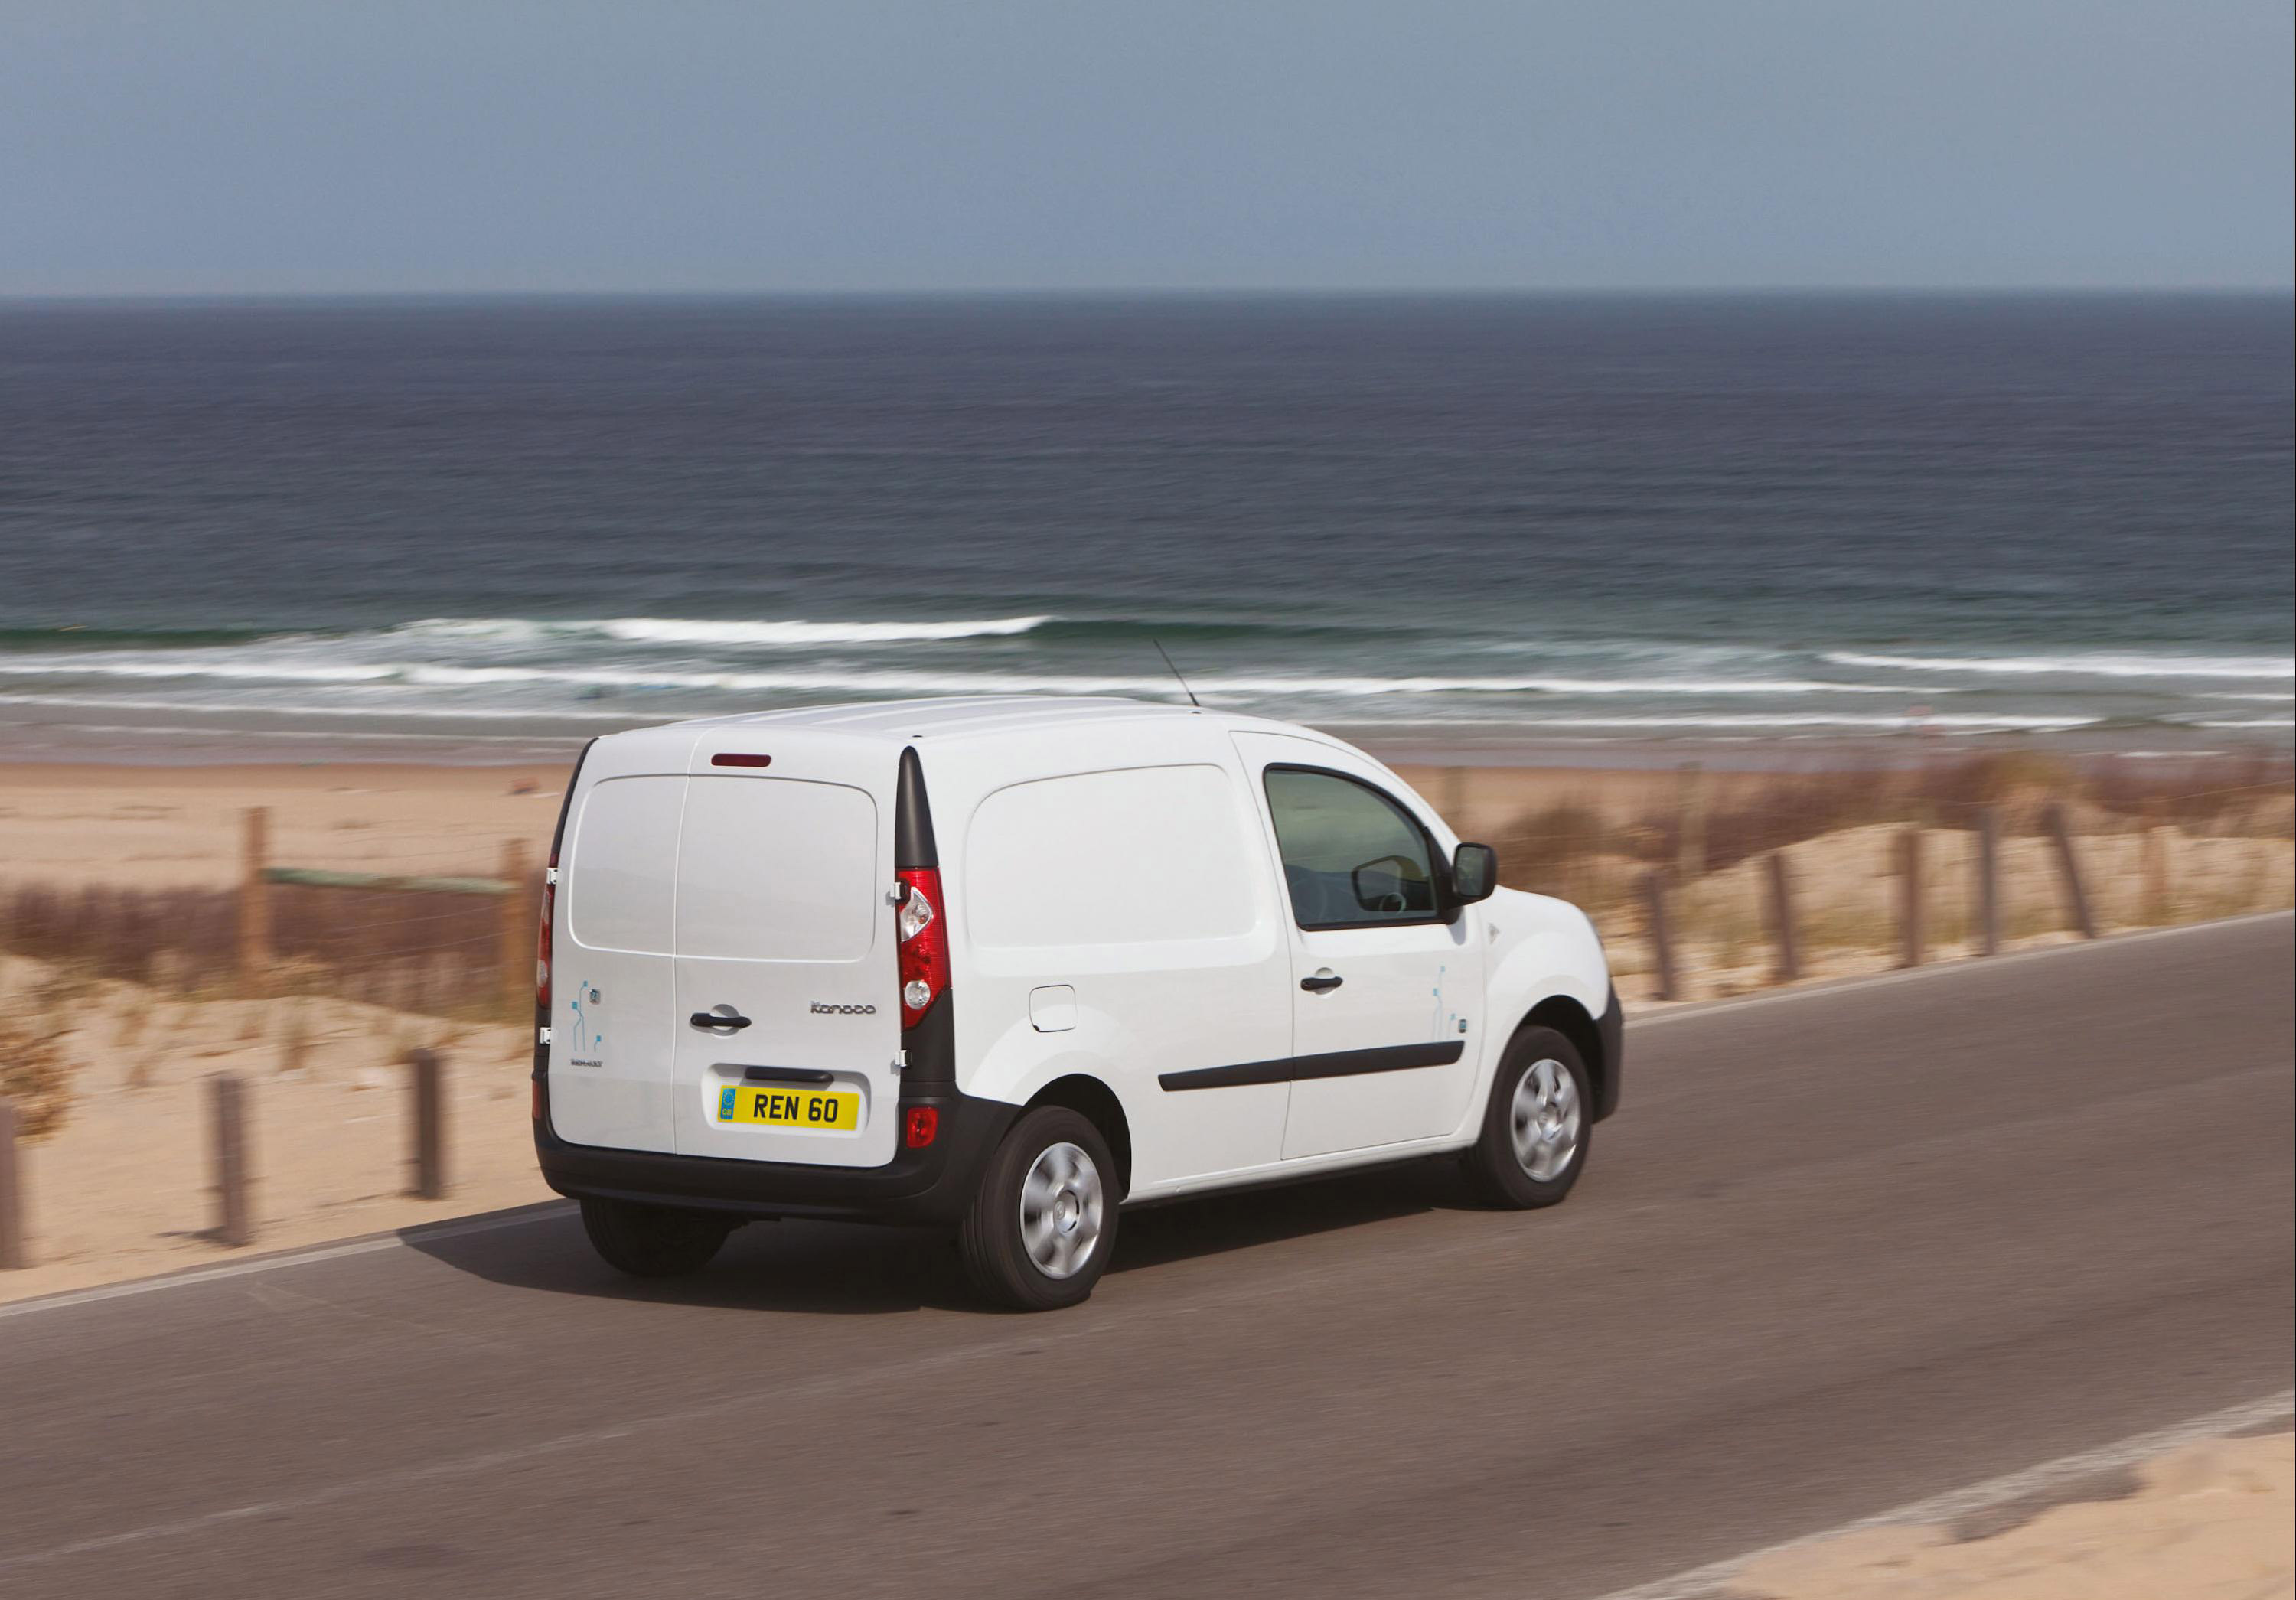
(1009, 966)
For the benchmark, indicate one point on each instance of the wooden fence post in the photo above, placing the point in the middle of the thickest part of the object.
(2069, 869)
(1989, 881)
(1661, 935)
(430, 1125)
(235, 1219)
(1914, 902)
(254, 903)
(295, 1036)
(1690, 826)
(1782, 919)
(518, 916)
(2156, 866)
(12, 1194)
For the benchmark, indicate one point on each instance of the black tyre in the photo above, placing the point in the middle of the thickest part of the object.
(653, 1241)
(1043, 1223)
(1536, 1125)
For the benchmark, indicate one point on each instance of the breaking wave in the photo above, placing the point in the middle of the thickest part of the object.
(2097, 664)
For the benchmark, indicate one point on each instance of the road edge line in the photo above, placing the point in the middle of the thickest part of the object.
(407, 1238)
(1702, 1583)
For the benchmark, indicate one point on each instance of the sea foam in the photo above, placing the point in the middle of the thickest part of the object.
(2096, 664)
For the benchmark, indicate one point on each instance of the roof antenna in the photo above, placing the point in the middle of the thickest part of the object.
(1191, 694)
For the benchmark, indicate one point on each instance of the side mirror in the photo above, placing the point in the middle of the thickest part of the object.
(1474, 873)
(1380, 885)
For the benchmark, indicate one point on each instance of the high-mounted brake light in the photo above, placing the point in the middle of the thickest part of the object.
(923, 942)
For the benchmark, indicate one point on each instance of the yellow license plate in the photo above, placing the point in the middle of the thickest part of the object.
(777, 1107)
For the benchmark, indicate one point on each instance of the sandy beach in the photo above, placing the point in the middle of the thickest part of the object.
(176, 826)
(124, 1187)
(2209, 1520)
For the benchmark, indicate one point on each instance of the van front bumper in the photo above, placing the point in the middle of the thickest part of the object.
(919, 1187)
(1611, 1028)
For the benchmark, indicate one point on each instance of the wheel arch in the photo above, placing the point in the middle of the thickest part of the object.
(1097, 1103)
(1569, 1019)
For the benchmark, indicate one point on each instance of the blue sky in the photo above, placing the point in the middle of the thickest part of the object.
(244, 146)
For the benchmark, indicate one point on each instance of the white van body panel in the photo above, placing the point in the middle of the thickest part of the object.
(1117, 909)
(1538, 948)
(1127, 864)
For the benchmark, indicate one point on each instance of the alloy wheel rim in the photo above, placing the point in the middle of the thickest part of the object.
(1061, 1204)
(1545, 1120)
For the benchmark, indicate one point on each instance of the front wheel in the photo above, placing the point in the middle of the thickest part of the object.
(1043, 1220)
(653, 1241)
(1536, 1125)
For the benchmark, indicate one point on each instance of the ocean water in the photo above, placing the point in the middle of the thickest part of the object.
(1519, 526)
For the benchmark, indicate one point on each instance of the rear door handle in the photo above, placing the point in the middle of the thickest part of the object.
(1321, 982)
(727, 1020)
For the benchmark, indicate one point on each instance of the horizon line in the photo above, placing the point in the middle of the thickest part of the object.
(1127, 291)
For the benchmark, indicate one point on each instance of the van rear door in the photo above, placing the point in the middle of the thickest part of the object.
(787, 1017)
(611, 946)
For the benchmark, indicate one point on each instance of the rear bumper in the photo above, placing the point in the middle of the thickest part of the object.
(928, 1186)
(1612, 1027)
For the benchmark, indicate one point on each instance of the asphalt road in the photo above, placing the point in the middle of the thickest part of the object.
(1837, 1251)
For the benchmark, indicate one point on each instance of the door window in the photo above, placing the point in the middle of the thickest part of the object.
(1352, 856)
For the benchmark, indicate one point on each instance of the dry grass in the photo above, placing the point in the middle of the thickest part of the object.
(2158, 842)
(440, 954)
(34, 1075)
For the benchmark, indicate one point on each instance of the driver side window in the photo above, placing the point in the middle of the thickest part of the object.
(1352, 856)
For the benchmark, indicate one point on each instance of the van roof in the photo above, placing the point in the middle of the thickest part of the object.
(975, 714)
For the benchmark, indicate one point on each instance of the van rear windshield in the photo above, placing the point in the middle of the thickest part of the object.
(777, 869)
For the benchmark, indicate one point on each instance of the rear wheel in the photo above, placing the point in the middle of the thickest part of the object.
(1536, 1127)
(653, 1241)
(1043, 1221)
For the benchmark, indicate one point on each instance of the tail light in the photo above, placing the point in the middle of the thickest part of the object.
(921, 1127)
(542, 937)
(541, 978)
(923, 942)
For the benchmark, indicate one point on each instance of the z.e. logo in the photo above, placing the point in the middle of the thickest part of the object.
(822, 1009)
(587, 1033)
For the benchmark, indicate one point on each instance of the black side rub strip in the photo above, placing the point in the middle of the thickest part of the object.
(1337, 1063)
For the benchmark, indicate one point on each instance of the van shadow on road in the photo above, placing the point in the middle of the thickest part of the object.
(852, 1269)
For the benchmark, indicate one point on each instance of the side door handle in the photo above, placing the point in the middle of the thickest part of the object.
(724, 1020)
(1321, 982)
